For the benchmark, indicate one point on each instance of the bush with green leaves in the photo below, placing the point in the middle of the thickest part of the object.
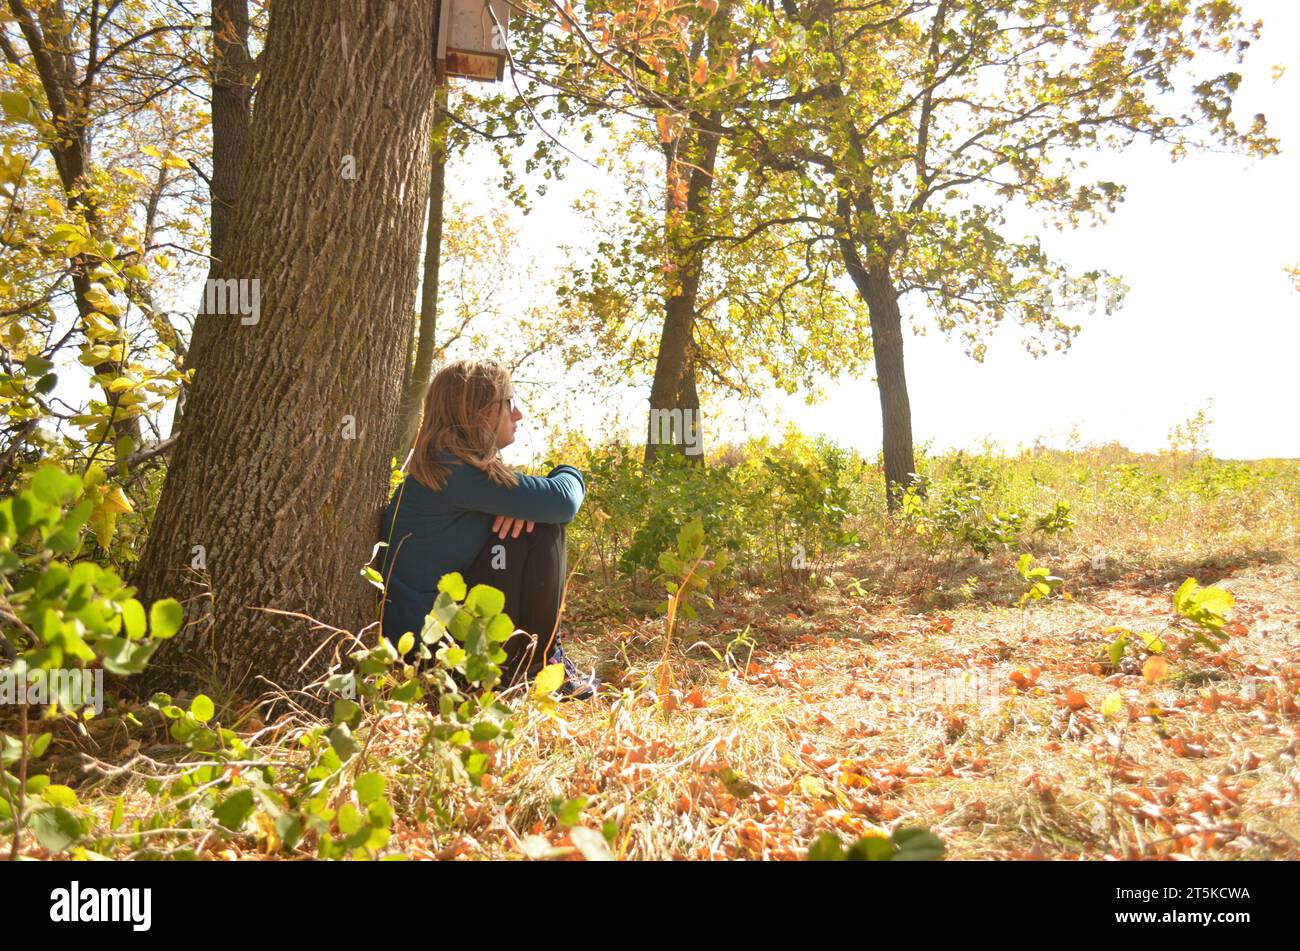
(1042, 583)
(687, 572)
(59, 617)
(781, 511)
(330, 801)
(1199, 614)
(970, 504)
(320, 792)
(809, 502)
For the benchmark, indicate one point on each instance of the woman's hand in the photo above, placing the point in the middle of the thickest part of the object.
(504, 524)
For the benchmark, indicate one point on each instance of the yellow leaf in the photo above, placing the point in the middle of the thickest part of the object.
(813, 786)
(99, 299)
(95, 475)
(1112, 705)
(116, 500)
(54, 205)
(103, 520)
(175, 161)
(151, 151)
(549, 680)
(100, 326)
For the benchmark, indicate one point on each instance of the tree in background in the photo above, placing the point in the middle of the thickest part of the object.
(909, 127)
(96, 107)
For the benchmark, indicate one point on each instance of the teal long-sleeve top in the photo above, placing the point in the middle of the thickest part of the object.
(431, 533)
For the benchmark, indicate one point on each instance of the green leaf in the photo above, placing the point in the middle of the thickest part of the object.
(1117, 649)
(870, 849)
(917, 845)
(500, 628)
(55, 828)
(486, 600)
(133, 618)
(289, 828)
(369, 787)
(826, 848)
(165, 618)
(485, 730)
(341, 741)
(1215, 599)
(347, 712)
(235, 809)
(18, 107)
(349, 819)
(453, 585)
(567, 812)
(51, 484)
(123, 658)
(202, 709)
(57, 795)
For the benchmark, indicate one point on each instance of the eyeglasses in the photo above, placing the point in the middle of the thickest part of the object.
(512, 402)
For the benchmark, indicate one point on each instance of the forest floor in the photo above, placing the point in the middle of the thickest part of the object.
(897, 693)
(861, 712)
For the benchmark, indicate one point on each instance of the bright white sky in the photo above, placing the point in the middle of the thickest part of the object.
(1210, 315)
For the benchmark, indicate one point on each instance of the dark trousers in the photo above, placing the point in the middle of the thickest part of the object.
(529, 571)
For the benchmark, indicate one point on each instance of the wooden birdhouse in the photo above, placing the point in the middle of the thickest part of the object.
(472, 36)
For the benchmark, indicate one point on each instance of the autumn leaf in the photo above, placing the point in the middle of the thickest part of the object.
(701, 72)
(1155, 669)
(1112, 705)
(549, 680)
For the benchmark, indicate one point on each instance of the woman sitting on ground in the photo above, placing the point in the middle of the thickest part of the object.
(461, 509)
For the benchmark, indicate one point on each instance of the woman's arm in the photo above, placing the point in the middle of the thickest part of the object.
(554, 498)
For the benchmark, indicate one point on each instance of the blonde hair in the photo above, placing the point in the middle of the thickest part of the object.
(460, 413)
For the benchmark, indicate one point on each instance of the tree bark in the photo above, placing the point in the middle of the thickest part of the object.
(877, 289)
(285, 451)
(417, 377)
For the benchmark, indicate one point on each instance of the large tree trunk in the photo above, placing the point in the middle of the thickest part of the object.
(417, 377)
(673, 390)
(284, 455)
(877, 289)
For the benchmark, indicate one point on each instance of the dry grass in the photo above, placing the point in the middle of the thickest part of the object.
(908, 698)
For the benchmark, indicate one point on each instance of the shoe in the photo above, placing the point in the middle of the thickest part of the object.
(577, 685)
